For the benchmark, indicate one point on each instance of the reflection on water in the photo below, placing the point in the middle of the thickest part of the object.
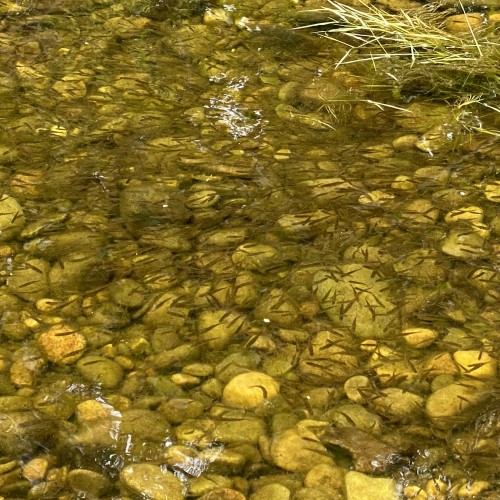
(227, 266)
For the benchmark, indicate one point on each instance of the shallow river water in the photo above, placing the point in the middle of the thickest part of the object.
(231, 269)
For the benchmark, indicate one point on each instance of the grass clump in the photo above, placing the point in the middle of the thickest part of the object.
(413, 53)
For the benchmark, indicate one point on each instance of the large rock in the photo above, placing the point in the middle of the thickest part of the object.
(356, 297)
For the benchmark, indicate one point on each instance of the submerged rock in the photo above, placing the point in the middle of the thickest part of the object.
(362, 487)
(356, 297)
(152, 481)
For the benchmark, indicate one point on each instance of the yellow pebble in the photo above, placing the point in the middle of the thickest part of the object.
(474, 489)
(436, 489)
(415, 493)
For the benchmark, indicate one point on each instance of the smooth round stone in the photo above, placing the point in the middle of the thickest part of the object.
(30, 280)
(144, 425)
(152, 482)
(273, 491)
(11, 217)
(353, 415)
(449, 405)
(282, 361)
(36, 469)
(432, 176)
(62, 345)
(313, 494)
(249, 390)
(298, 451)
(403, 183)
(224, 238)
(492, 192)
(198, 369)
(466, 243)
(221, 493)
(420, 211)
(464, 22)
(91, 410)
(127, 293)
(419, 338)
(203, 199)
(245, 290)
(217, 328)
(474, 489)
(57, 245)
(306, 224)
(360, 486)
(255, 256)
(101, 371)
(352, 296)
(166, 310)
(476, 364)
(465, 214)
(276, 307)
(240, 430)
(398, 405)
(326, 478)
(327, 191)
(77, 272)
(359, 388)
(178, 410)
(89, 483)
(421, 265)
(327, 360)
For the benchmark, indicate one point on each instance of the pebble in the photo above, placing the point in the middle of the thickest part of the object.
(77, 272)
(359, 388)
(352, 296)
(326, 478)
(399, 405)
(449, 405)
(420, 211)
(255, 256)
(250, 389)
(177, 410)
(470, 213)
(277, 308)
(353, 415)
(299, 450)
(360, 486)
(418, 337)
(225, 238)
(152, 481)
(101, 371)
(30, 280)
(89, 483)
(492, 192)
(36, 469)
(476, 364)
(127, 293)
(463, 23)
(12, 218)
(62, 345)
(328, 358)
(216, 329)
(237, 428)
(466, 242)
(221, 493)
(274, 491)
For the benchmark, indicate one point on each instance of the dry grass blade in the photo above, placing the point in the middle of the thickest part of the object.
(374, 34)
(412, 53)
